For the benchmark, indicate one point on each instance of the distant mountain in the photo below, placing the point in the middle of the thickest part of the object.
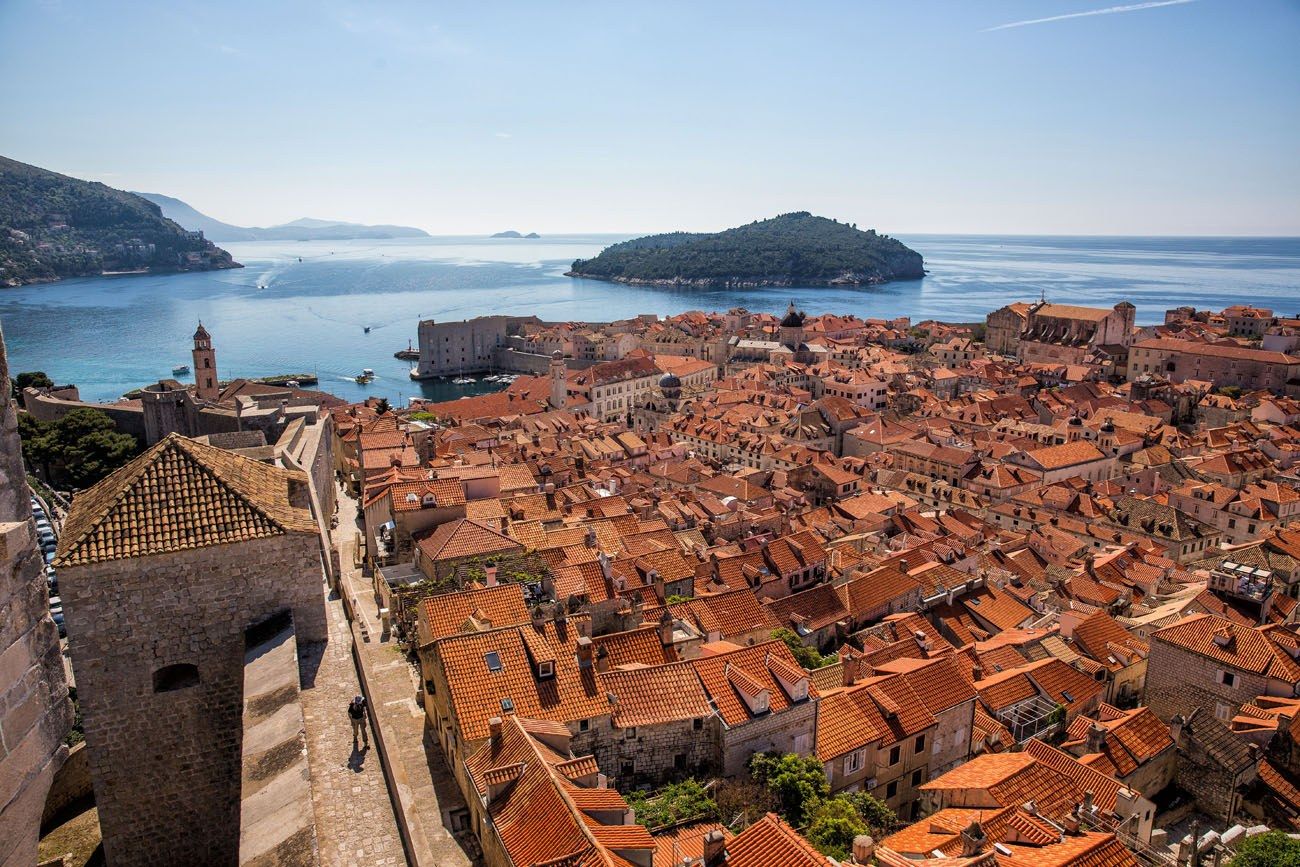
(304, 229)
(54, 226)
(511, 233)
(795, 249)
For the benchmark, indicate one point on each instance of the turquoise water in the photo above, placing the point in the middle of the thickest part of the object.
(279, 315)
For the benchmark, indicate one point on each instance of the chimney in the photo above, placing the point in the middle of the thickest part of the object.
(1087, 802)
(602, 659)
(494, 729)
(1096, 737)
(864, 848)
(715, 848)
(666, 629)
(539, 617)
(973, 839)
(586, 652)
(849, 668)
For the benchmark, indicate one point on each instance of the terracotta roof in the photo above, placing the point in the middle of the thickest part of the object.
(654, 695)
(465, 538)
(447, 613)
(1242, 647)
(177, 496)
(770, 842)
(760, 664)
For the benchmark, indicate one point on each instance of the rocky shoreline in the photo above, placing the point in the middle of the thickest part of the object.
(744, 282)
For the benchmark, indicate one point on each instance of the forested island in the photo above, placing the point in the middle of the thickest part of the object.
(795, 249)
(54, 226)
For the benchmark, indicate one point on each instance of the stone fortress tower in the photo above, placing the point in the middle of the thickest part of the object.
(205, 366)
(165, 566)
(33, 693)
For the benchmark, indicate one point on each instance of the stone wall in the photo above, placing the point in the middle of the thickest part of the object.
(777, 731)
(277, 824)
(166, 763)
(71, 784)
(127, 416)
(34, 710)
(1178, 682)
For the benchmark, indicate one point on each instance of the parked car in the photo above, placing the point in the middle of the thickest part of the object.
(49, 556)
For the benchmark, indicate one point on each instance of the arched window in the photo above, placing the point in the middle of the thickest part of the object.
(169, 678)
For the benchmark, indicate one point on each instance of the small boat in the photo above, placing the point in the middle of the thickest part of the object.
(365, 371)
(415, 373)
(180, 369)
(362, 380)
(463, 380)
(367, 329)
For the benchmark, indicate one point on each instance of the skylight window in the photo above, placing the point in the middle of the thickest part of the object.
(493, 660)
(1066, 695)
(507, 705)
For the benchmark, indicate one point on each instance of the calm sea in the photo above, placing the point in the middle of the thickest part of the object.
(303, 307)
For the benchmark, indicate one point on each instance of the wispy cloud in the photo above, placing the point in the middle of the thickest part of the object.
(1109, 10)
(228, 49)
(502, 135)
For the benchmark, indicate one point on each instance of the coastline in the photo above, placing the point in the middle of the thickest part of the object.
(743, 282)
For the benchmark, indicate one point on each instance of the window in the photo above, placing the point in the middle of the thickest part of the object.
(853, 762)
(918, 776)
(629, 734)
(920, 743)
(627, 768)
(507, 705)
(493, 660)
(170, 678)
(1227, 678)
(679, 762)
(891, 790)
(584, 725)
(895, 754)
(546, 668)
(430, 688)
(697, 723)
(1222, 711)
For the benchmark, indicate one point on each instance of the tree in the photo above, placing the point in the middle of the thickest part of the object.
(875, 812)
(833, 825)
(798, 782)
(678, 802)
(1272, 849)
(745, 800)
(383, 406)
(78, 449)
(31, 379)
(806, 656)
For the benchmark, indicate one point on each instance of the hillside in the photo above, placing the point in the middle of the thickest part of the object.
(790, 250)
(305, 229)
(54, 226)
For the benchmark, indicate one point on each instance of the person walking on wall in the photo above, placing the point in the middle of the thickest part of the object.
(357, 713)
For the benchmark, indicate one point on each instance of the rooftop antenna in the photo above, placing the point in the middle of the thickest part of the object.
(1042, 295)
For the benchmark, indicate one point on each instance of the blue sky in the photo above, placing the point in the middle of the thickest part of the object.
(910, 116)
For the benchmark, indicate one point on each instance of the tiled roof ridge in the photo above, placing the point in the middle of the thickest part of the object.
(112, 492)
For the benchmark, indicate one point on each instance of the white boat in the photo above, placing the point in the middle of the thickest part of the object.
(365, 371)
(415, 374)
(180, 369)
(463, 380)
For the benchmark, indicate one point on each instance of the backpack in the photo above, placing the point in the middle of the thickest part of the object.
(357, 707)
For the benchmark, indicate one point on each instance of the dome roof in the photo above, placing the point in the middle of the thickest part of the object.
(670, 380)
(793, 318)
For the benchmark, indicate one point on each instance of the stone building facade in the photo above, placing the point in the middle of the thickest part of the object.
(1241, 366)
(1003, 326)
(33, 693)
(1066, 334)
(469, 346)
(164, 565)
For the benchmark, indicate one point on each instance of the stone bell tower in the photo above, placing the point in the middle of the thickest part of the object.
(205, 366)
(559, 381)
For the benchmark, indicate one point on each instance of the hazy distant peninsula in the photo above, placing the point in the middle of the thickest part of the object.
(305, 229)
(795, 249)
(54, 226)
(511, 233)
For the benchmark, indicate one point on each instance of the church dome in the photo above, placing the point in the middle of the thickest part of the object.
(669, 380)
(793, 318)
